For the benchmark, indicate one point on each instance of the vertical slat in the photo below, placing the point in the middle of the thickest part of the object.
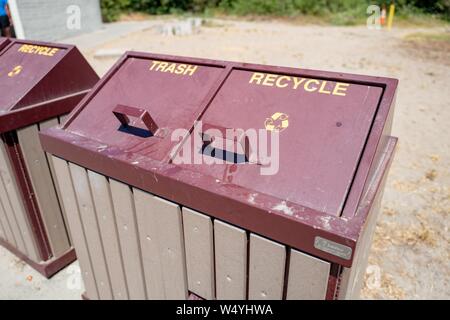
(150, 244)
(14, 209)
(8, 234)
(231, 261)
(107, 224)
(64, 181)
(266, 269)
(91, 230)
(19, 222)
(59, 194)
(129, 239)
(199, 244)
(44, 189)
(9, 214)
(308, 277)
(45, 125)
(2, 229)
(161, 234)
(345, 285)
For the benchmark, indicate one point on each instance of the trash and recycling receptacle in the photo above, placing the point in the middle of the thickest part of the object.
(39, 83)
(169, 195)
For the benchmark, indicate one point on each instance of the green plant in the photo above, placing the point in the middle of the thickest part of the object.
(336, 11)
(111, 9)
(261, 7)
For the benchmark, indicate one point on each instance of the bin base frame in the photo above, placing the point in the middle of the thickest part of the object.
(47, 268)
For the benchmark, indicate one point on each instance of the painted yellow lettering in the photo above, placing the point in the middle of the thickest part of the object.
(270, 80)
(171, 68)
(23, 48)
(162, 66)
(341, 89)
(38, 50)
(281, 79)
(154, 64)
(257, 77)
(309, 82)
(322, 88)
(180, 69)
(298, 82)
(190, 70)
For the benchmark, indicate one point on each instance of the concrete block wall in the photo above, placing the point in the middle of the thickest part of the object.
(47, 20)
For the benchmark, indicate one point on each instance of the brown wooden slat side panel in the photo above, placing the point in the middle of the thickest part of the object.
(91, 231)
(64, 180)
(101, 194)
(2, 229)
(8, 235)
(231, 261)
(6, 179)
(266, 269)
(146, 216)
(42, 126)
(27, 196)
(308, 277)
(42, 183)
(129, 239)
(15, 210)
(60, 196)
(199, 244)
(161, 245)
(161, 236)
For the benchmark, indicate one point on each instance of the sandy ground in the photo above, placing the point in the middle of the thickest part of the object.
(18, 281)
(410, 253)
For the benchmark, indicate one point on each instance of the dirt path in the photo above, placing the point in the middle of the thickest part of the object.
(410, 254)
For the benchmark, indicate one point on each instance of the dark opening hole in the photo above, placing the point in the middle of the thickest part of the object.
(224, 155)
(135, 131)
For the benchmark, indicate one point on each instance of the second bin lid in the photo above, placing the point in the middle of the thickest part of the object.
(33, 74)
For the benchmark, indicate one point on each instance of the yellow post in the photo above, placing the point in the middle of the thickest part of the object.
(391, 16)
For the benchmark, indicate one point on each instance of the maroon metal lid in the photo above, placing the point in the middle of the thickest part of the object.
(140, 86)
(36, 74)
(333, 130)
